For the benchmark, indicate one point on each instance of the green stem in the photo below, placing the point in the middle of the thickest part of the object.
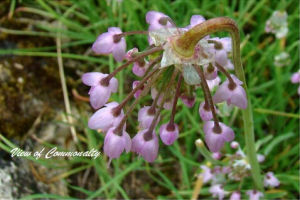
(184, 46)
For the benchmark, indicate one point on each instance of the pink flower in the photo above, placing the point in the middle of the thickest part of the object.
(213, 83)
(254, 194)
(138, 92)
(295, 77)
(131, 53)
(217, 191)
(216, 155)
(210, 72)
(189, 101)
(145, 117)
(139, 68)
(157, 20)
(111, 42)
(234, 145)
(205, 114)
(215, 141)
(206, 173)
(235, 196)
(168, 133)
(104, 118)
(236, 96)
(99, 94)
(195, 20)
(146, 147)
(221, 52)
(270, 180)
(260, 158)
(115, 144)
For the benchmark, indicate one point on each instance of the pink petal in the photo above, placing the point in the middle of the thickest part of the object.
(119, 50)
(92, 78)
(196, 19)
(99, 95)
(103, 44)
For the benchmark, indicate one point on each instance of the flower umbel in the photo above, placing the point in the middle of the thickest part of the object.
(177, 63)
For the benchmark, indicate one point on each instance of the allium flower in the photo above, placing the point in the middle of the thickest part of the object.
(189, 101)
(277, 24)
(115, 144)
(206, 173)
(145, 145)
(99, 92)
(177, 62)
(217, 191)
(205, 112)
(146, 116)
(106, 117)
(235, 196)
(168, 133)
(270, 180)
(254, 194)
(111, 42)
(157, 20)
(138, 92)
(214, 138)
(232, 92)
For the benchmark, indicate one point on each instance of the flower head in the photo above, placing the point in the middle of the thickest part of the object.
(277, 24)
(206, 173)
(111, 42)
(99, 93)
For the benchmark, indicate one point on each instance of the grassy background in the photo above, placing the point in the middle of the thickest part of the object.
(274, 97)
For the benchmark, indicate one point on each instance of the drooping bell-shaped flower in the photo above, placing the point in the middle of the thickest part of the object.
(233, 94)
(212, 84)
(236, 195)
(210, 72)
(270, 180)
(214, 139)
(206, 173)
(111, 42)
(146, 116)
(205, 112)
(140, 67)
(115, 144)
(217, 191)
(99, 93)
(105, 118)
(138, 92)
(189, 101)
(145, 146)
(168, 133)
(254, 194)
(157, 20)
